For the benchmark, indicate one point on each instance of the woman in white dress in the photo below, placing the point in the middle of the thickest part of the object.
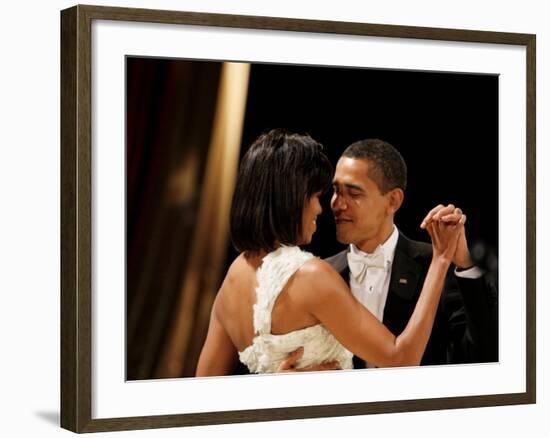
(277, 298)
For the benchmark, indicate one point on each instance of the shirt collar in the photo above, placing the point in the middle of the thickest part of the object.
(388, 247)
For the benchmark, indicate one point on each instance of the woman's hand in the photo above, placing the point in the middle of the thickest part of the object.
(452, 214)
(445, 236)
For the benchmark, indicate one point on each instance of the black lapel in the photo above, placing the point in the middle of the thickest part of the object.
(340, 263)
(405, 284)
(345, 274)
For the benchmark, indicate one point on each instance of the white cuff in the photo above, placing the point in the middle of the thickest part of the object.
(472, 273)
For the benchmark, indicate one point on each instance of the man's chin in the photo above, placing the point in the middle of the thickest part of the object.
(342, 238)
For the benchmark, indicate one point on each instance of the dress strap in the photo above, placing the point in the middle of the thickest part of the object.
(276, 269)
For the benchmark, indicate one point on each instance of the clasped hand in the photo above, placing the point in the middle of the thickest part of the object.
(442, 237)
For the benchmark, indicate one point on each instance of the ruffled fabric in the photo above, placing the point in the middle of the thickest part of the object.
(267, 350)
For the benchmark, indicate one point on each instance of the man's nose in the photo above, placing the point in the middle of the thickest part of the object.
(338, 203)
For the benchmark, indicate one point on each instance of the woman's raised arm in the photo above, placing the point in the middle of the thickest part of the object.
(329, 300)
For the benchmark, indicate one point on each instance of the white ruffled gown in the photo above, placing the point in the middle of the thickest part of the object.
(267, 350)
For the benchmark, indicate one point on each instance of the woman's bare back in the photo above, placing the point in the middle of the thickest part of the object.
(237, 297)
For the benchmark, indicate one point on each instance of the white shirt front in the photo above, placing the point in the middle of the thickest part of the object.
(372, 291)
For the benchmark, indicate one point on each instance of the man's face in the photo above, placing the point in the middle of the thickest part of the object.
(362, 213)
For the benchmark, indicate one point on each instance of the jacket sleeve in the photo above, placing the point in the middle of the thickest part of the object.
(470, 307)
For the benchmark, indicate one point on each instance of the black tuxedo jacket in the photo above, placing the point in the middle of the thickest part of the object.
(466, 323)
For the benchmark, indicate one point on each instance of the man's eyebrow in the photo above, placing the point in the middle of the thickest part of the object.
(350, 186)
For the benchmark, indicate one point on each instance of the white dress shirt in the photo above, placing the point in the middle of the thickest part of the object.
(371, 289)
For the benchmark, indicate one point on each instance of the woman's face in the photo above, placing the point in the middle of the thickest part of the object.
(312, 209)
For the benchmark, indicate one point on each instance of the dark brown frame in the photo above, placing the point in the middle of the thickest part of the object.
(76, 243)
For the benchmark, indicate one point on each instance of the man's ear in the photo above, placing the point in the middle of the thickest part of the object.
(395, 197)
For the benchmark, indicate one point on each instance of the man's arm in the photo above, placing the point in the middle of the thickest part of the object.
(471, 309)
(289, 364)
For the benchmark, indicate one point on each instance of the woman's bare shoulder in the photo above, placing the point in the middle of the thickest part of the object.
(317, 277)
(238, 276)
(242, 268)
(236, 293)
(315, 266)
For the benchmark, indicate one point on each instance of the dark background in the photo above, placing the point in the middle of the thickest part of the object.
(444, 124)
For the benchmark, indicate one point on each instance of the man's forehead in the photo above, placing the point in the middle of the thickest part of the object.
(351, 169)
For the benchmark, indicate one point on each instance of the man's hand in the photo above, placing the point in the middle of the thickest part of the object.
(452, 214)
(289, 364)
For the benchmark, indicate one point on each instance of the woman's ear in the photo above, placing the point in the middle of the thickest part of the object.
(395, 197)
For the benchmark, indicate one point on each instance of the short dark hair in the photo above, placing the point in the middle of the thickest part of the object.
(388, 169)
(279, 172)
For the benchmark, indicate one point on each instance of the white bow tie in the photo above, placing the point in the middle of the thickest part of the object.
(359, 263)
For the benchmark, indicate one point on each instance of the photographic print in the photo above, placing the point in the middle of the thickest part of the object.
(445, 125)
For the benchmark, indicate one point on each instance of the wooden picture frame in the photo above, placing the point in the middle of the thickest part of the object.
(76, 217)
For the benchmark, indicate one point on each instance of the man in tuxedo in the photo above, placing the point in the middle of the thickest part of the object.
(385, 270)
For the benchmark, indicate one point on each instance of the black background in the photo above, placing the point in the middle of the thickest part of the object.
(444, 124)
